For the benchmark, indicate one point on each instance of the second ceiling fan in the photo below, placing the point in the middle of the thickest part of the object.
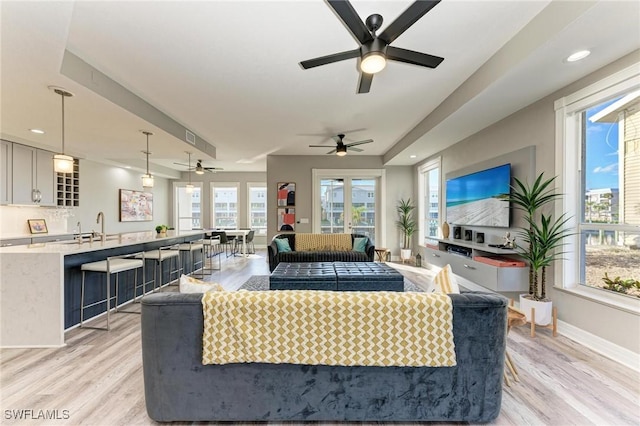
(341, 147)
(374, 50)
(199, 169)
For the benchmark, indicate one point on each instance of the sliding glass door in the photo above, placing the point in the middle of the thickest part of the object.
(348, 204)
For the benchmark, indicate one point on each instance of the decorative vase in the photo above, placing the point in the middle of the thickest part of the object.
(543, 309)
(445, 230)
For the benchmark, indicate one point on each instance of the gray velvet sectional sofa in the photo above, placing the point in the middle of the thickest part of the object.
(295, 256)
(179, 388)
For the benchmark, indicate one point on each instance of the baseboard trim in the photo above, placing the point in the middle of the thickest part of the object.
(602, 346)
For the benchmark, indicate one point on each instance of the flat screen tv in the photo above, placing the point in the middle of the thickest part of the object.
(480, 198)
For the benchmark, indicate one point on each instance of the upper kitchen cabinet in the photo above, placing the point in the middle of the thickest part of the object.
(6, 172)
(33, 177)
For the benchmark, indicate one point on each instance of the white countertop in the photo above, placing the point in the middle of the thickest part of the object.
(112, 241)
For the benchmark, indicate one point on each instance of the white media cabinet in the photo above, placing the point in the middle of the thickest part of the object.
(496, 278)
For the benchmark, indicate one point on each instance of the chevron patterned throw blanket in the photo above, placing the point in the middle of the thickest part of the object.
(328, 328)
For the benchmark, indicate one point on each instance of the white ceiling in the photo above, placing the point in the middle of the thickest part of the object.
(228, 71)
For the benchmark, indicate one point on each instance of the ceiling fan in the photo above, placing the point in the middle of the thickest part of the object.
(374, 50)
(341, 147)
(199, 169)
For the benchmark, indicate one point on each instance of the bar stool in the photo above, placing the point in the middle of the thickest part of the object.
(112, 265)
(212, 248)
(189, 248)
(159, 255)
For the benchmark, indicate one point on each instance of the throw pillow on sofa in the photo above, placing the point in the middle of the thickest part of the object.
(193, 285)
(445, 282)
(359, 244)
(283, 245)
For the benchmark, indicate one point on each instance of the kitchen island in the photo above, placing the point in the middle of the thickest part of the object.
(40, 284)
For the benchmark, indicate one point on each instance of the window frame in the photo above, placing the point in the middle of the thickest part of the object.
(176, 186)
(423, 191)
(569, 170)
(251, 185)
(217, 184)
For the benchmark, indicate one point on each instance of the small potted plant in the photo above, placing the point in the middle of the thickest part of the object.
(407, 226)
(544, 236)
(161, 230)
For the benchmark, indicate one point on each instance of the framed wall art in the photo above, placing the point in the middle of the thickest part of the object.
(135, 206)
(286, 194)
(286, 219)
(37, 226)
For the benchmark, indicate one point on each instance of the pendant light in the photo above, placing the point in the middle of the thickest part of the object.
(189, 187)
(147, 180)
(62, 163)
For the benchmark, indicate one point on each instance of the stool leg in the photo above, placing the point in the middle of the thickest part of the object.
(109, 299)
(82, 300)
(117, 285)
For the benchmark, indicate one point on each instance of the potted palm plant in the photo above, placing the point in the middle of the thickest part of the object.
(407, 226)
(544, 236)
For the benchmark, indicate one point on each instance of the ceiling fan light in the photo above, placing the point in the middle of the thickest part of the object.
(373, 62)
(341, 151)
(62, 163)
(147, 181)
(199, 171)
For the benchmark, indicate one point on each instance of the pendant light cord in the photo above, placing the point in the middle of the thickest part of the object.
(148, 154)
(62, 96)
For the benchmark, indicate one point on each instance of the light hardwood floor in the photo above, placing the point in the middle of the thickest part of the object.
(97, 378)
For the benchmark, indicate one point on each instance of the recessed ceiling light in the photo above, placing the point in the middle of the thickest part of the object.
(38, 131)
(578, 55)
(413, 156)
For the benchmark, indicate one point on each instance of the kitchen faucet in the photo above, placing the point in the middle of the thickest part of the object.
(103, 236)
(79, 232)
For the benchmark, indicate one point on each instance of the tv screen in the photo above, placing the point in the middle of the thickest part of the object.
(481, 198)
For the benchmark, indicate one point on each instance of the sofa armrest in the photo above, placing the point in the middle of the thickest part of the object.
(272, 249)
(370, 250)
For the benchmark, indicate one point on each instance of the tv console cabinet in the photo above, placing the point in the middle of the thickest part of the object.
(460, 255)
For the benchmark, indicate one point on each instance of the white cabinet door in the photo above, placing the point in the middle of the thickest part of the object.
(33, 177)
(24, 182)
(6, 172)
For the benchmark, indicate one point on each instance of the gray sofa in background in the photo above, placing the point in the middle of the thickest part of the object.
(179, 388)
(294, 256)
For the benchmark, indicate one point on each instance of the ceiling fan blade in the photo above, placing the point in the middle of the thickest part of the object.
(329, 59)
(213, 168)
(359, 143)
(350, 18)
(406, 19)
(365, 82)
(355, 149)
(182, 164)
(317, 146)
(333, 151)
(413, 57)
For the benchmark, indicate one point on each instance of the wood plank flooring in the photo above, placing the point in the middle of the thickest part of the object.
(97, 378)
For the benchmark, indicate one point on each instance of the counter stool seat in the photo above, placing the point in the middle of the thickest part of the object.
(211, 249)
(112, 265)
(191, 247)
(159, 256)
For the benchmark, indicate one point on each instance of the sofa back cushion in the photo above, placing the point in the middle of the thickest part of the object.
(323, 242)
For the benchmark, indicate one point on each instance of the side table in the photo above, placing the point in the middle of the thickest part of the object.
(382, 254)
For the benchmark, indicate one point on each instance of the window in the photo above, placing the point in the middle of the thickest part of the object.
(187, 207)
(600, 140)
(429, 205)
(257, 207)
(225, 210)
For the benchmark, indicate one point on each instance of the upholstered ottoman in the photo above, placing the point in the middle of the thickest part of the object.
(303, 276)
(367, 276)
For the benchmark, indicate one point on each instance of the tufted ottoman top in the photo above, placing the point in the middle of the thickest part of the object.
(358, 271)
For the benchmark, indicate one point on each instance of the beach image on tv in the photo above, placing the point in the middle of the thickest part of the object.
(481, 198)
